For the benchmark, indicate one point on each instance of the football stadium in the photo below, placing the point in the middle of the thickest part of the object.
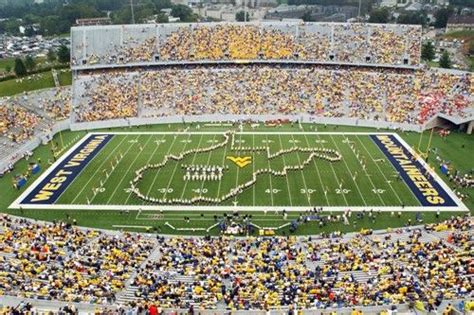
(240, 168)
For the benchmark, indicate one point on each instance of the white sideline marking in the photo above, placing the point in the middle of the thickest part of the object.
(133, 226)
(232, 208)
(16, 204)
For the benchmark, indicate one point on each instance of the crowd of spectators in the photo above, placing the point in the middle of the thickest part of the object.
(17, 123)
(379, 95)
(415, 266)
(269, 273)
(107, 96)
(27, 114)
(61, 262)
(58, 261)
(58, 105)
(324, 42)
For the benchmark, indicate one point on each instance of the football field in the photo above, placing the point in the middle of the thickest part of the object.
(251, 170)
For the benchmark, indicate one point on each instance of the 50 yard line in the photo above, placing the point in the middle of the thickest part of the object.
(208, 160)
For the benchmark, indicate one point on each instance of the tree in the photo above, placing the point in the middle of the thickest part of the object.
(8, 68)
(184, 13)
(427, 51)
(51, 55)
(445, 60)
(30, 63)
(161, 18)
(20, 69)
(64, 55)
(418, 17)
(381, 15)
(442, 16)
(242, 16)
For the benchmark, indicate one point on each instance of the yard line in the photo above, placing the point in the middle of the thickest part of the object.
(269, 175)
(337, 179)
(97, 170)
(159, 170)
(125, 154)
(286, 177)
(238, 168)
(208, 160)
(147, 162)
(253, 168)
(317, 171)
(388, 182)
(128, 171)
(192, 162)
(371, 182)
(175, 167)
(349, 170)
(302, 173)
(223, 167)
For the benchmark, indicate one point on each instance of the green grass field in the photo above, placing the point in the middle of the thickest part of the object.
(302, 188)
(344, 182)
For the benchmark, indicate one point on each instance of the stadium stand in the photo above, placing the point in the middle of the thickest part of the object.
(420, 265)
(377, 95)
(28, 117)
(275, 41)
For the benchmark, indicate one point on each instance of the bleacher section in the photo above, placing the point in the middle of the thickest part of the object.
(332, 43)
(58, 262)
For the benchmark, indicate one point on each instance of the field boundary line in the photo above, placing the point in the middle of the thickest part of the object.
(232, 208)
(276, 132)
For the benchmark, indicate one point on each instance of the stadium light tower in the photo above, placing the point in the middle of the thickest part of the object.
(133, 13)
(360, 5)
